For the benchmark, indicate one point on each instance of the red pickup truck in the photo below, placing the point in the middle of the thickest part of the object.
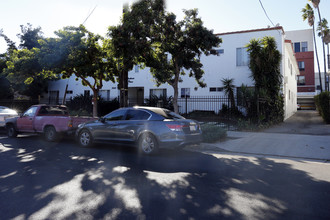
(50, 120)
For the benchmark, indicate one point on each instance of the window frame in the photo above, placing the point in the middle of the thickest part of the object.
(242, 56)
(186, 93)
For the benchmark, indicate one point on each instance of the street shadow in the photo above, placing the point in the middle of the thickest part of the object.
(41, 180)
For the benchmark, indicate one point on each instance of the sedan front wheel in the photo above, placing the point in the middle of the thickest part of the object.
(85, 138)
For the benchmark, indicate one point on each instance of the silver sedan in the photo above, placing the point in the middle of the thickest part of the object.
(6, 112)
(148, 128)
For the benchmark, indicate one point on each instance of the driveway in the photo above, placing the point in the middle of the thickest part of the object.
(304, 135)
(307, 122)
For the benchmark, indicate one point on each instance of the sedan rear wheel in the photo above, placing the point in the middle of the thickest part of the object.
(85, 138)
(148, 144)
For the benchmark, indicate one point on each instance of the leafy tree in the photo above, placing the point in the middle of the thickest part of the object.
(178, 47)
(29, 36)
(228, 86)
(78, 52)
(265, 67)
(23, 69)
(308, 14)
(5, 87)
(25, 73)
(131, 39)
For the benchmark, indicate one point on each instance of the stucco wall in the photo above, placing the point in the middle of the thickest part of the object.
(215, 68)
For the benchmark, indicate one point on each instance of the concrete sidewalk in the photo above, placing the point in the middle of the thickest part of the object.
(276, 144)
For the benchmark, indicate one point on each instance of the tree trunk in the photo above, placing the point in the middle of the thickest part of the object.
(317, 57)
(325, 67)
(176, 89)
(95, 93)
(123, 86)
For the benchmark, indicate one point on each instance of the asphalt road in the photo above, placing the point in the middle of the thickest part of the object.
(41, 180)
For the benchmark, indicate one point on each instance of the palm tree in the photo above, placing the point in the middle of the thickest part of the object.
(316, 4)
(229, 87)
(323, 30)
(308, 14)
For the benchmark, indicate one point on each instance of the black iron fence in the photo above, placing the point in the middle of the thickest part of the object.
(187, 105)
(216, 104)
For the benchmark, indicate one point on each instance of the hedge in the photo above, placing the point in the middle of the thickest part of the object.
(322, 102)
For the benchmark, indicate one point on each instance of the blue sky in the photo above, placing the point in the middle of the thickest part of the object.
(219, 15)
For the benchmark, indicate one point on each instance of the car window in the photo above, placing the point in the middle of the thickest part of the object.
(115, 115)
(53, 110)
(137, 115)
(31, 111)
(172, 115)
(166, 113)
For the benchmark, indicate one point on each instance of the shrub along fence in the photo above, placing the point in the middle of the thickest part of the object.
(322, 102)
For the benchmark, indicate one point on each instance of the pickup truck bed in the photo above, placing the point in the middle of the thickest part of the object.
(50, 120)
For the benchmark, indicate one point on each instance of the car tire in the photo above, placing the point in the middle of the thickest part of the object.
(85, 138)
(50, 134)
(11, 131)
(148, 144)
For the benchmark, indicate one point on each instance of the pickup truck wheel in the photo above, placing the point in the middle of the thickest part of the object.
(11, 131)
(50, 134)
(85, 138)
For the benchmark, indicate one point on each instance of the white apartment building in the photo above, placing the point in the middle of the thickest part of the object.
(232, 62)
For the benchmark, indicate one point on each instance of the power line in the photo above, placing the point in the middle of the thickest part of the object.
(89, 15)
(266, 13)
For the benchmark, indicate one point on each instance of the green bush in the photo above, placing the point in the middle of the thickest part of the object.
(161, 101)
(82, 105)
(322, 102)
(212, 133)
(105, 107)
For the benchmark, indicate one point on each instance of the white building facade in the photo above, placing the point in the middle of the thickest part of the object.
(232, 62)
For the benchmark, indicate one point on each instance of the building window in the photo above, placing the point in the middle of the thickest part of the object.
(185, 92)
(158, 92)
(300, 47)
(105, 94)
(242, 56)
(216, 89)
(301, 81)
(304, 47)
(297, 47)
(54, 97)
(69, 92)
(301, 65)
(220, 51)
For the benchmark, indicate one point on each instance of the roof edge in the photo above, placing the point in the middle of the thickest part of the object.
(253, 30)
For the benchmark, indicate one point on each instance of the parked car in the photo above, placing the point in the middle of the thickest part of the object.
(50, 120)
(6, 112)
(147, 128)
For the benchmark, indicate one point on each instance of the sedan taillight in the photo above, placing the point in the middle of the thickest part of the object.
(176, 127)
